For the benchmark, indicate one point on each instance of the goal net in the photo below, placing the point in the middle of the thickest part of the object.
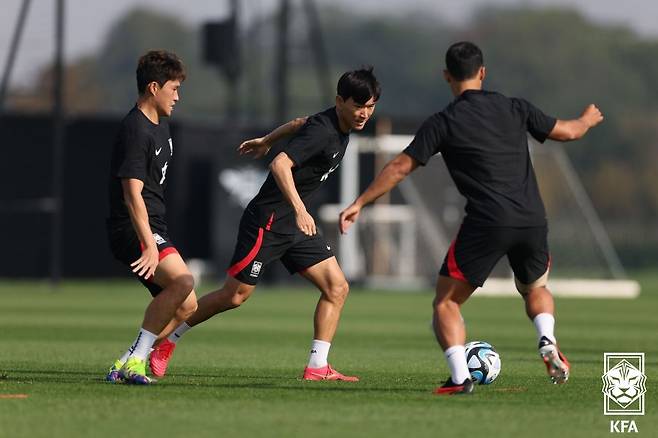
(400, 241)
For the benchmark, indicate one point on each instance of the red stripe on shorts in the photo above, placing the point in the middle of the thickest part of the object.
(453, 269)
(162, 254)
(269, 222)
(167, 251)
(239, 266)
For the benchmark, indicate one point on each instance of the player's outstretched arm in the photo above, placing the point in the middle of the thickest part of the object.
(281, 168)
(132, 194)
(259, 147)
(568, 130)
(395, 171)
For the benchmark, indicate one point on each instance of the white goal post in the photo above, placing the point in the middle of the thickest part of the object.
(400, 242)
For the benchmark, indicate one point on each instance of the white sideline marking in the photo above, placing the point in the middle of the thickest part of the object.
(568, 288)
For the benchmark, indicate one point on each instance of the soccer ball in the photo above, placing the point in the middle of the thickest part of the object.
(483, 362)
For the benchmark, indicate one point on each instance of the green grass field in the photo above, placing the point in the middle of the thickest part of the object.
(237, 375)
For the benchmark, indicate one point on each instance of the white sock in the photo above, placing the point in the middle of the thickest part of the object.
(545, 326)
(180, 331)
(125, 356)
(142, 345)
(319, 353)
(456, 357)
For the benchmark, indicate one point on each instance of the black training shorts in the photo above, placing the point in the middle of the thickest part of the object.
(477, 248)
(257, 246)
(127, 248)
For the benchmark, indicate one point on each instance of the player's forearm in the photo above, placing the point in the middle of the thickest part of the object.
(285, 130)
(139, 218)
(282, 171)
(390, 176)
(569, 130)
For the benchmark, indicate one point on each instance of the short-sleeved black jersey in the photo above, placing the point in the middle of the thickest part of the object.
(143, 151)
(482, 138)
(316, 149)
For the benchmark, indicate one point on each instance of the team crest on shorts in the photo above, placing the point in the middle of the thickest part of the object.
(158, 239)
(624, 383)
(255, 269)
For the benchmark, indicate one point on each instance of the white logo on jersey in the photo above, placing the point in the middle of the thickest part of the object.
(158, 239)
(255, 269)
(328, 248)
(157, 152)
(164, 172)
(326, 175)
(171, 147)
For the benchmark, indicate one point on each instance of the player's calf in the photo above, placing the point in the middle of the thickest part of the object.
(187, 309)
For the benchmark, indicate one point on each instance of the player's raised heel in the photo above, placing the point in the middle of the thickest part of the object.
(134, 372)
(452, 388)
(326, 373)
(557, 365)
(159, 359)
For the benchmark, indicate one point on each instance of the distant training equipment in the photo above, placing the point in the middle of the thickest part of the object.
(483, 362)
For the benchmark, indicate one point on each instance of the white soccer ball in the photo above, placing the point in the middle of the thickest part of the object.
(483, 362)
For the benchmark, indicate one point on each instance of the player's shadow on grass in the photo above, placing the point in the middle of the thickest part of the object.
(32, 376)
(51, 376)
(288, 384)
(13, 373)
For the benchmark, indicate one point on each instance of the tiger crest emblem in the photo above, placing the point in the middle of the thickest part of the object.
(624, 383)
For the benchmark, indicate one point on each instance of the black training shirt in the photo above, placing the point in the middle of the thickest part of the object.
(143, 151)
(316, 149)
(482, 138)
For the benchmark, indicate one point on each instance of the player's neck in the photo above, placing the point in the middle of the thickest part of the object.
(344, 127)
(459, 87)
(148, 109)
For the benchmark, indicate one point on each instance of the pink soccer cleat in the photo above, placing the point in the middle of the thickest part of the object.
(160, 356)
(326, 373)
(557, 365)
(451, 388)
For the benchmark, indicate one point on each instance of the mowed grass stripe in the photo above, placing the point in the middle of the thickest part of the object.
(238, 374)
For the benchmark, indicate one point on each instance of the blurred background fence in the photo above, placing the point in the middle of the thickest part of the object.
(68, 79)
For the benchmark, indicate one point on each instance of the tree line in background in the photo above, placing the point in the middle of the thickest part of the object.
(553, 57)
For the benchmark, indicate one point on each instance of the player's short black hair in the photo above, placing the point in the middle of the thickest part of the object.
(360, 85)
(158, 66)
(463, 60)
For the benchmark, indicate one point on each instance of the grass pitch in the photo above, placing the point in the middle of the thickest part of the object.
(238, 374)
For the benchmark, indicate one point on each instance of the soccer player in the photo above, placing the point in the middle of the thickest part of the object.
(481, 136)
(137, 231)
(277, 226)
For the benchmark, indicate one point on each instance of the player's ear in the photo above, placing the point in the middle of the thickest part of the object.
(339, 100)
(153, 88)
(482, 73)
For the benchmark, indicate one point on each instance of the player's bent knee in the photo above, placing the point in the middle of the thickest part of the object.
(444, 304)
(238, 298)
(525, 289)
(338, 293)
(187, 309)
(185, 283)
